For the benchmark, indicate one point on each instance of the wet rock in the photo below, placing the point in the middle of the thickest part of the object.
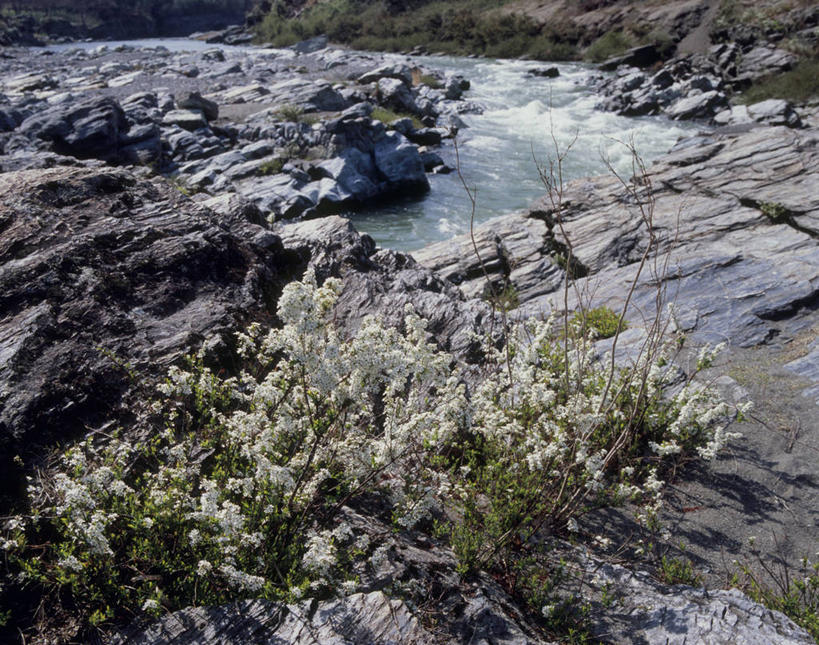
(353, 170)
(398, 161)
(547, 72)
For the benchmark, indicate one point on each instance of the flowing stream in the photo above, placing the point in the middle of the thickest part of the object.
(525, 117)
(499, 149)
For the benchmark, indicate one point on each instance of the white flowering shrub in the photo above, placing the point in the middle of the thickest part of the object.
(557, 430)
(237, 495)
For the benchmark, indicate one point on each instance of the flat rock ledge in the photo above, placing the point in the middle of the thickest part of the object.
(360, 618)
(736, 213)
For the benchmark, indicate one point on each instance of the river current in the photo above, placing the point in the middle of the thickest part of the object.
(524, 118)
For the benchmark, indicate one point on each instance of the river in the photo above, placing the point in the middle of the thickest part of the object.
(524, 116)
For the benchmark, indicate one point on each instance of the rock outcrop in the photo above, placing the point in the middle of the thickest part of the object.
(736, 212)
(638, 610)
(103, 276)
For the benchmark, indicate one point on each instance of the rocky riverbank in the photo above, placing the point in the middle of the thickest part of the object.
(289, 129)
(139, 224)
(734, 218)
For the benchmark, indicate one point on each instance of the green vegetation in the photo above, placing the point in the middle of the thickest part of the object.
(773, 210)
(678, 571)
(457, 27)
(294, 114)
(799, 85)
(272, 167)
(602, 322)
(431, 81)
(610, 44)
(236, 490)
(387, 117)
(794, 593)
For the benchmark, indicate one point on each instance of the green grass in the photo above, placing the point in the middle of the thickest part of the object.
(602, 321)
(431, 81)
(799, 85)
(387, 117)
(795, 593)
(272, 167)
(612, 43)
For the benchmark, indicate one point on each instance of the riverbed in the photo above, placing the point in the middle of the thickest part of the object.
(526, 121)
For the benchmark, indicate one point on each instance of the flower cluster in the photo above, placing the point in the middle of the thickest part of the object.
(237, 494)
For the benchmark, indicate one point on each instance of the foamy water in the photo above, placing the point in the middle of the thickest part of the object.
(526, 121)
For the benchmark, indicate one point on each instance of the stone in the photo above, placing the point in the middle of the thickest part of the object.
(9, 119)
(29, 82)
(763, 60)
(644, 56)
(398, 72)
(395, 94)
(310, 45)
(544, 72)
(311, 96)
(353, 170)
(775, 112)
(195, 101)
(187, 119)
(654, 613)
(108, 268)
(89, 128)
(697, 106)
(398, 161)
(359, 618)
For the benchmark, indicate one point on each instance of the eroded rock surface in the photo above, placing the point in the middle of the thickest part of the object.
(737, 214)
(102, 274)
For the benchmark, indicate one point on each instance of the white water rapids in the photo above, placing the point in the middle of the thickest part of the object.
(499, 148)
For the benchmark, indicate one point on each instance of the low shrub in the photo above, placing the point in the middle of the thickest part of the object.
(799, 85)
(794, 592)
(458, 27)
(601, 322)
(237, 493)
(612, 43)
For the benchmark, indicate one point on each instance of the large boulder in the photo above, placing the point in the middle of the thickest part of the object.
(89, 128)
(399, 162)
(395, 94)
